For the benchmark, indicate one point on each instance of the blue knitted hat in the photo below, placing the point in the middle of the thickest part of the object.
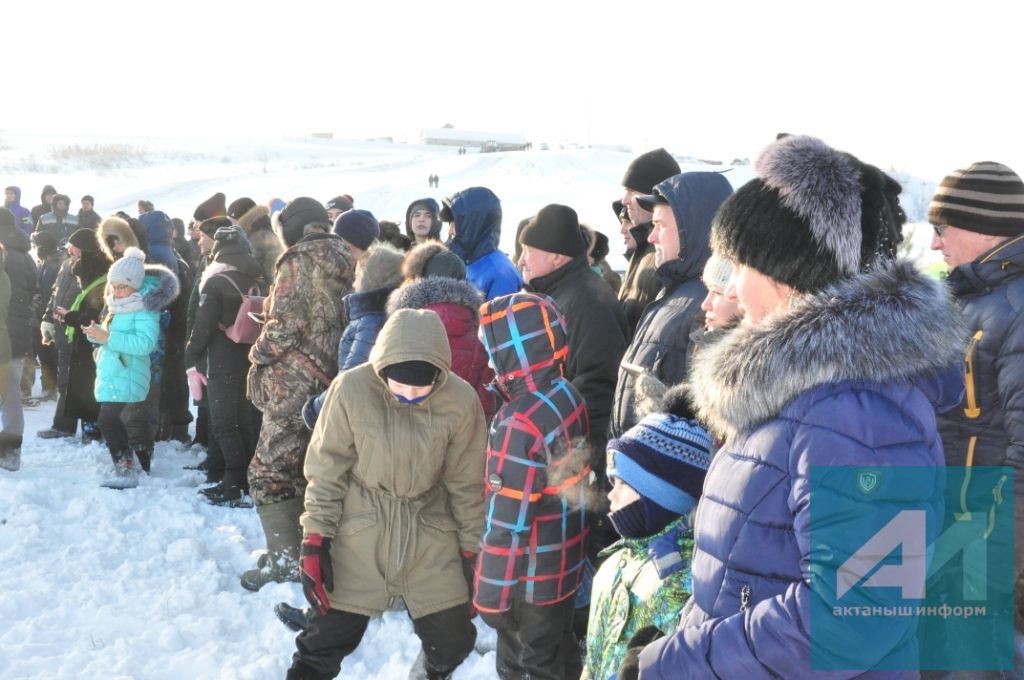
(665, 458)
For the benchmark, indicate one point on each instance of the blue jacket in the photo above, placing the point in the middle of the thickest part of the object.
(477, 215)
(803, 389)
(159, 230)
(22, 215)
(122, 363)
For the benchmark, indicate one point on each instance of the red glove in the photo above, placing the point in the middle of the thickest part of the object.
(316, 572)
(469, 572)
(196, 382)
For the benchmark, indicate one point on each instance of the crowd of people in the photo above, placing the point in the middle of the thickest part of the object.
(611, 471)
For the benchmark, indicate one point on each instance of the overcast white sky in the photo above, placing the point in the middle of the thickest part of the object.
(922, 86)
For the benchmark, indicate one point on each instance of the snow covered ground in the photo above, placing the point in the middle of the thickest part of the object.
(143, 583)
(96, 583)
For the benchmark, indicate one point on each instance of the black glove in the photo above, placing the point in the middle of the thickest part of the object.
(630, 668)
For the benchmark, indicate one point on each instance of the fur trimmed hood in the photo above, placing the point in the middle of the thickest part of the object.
(436, 290)
(381, 267)
(119, 229)
(256, 217)
(416, 259)
(889, 324)
(160, 287)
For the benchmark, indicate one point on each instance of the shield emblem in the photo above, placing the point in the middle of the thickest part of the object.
(868, 481)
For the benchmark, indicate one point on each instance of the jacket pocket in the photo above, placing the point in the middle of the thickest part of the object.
(972, 410)
(440, 521)
(353, 524)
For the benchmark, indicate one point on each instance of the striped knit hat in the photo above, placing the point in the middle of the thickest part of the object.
(665, 458)
(986, 198)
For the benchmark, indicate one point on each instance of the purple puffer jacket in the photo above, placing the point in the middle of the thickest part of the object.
(847, 377)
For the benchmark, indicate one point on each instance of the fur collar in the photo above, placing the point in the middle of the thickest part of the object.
(433, 290)
(256, 217)
(892, 323)
(213, 269)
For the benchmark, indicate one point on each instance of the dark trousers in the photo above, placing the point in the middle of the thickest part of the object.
(48, 367)
(232, 426)
(447, 637)
(537, 641)
(60, 421)
(115, 434)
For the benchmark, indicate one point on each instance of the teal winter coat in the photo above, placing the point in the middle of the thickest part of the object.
(122, 363)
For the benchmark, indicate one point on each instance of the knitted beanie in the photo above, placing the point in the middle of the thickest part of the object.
(240, 206)
(212, 207)
(414, 373)
(358, 227)
(648, 169)
(554, 229)
(299, 213)
(446, 264)
(986, 198)
(665, 458)
(130, 269)
(717, 273)
(84, 239)
(811, 217)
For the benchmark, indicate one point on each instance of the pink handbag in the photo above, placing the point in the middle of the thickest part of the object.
(244, 330)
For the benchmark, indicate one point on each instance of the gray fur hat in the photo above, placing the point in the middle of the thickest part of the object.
(812, 216)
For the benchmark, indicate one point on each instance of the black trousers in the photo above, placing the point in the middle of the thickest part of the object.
(447, 637)
(537, 641)
(115, 434)
(232, 426)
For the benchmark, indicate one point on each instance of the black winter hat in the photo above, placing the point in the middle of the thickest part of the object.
(343, 203)
(600, 249)
(45, 243)
(414, 373)
(618, 207)
(555, 229)
(85, 240)
(228, 242)
(811, 217)
(214, 206)
(648, 169)
(297, 215)
(240, 206)
(358, 227)
(211, 225)
(446, 264)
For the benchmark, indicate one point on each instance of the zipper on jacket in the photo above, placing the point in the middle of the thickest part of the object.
(972, 410)
(745, 597)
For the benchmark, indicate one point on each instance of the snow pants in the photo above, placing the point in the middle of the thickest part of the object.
(537, 641)
(447, 637)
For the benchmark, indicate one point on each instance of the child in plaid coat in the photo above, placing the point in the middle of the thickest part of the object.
(535, 531)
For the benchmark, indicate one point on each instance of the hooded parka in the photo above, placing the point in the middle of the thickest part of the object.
(661, 343)
(398, 486)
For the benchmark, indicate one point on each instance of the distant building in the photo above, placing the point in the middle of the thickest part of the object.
(485, 141)
(322, 135)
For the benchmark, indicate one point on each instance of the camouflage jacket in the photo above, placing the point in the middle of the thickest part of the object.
(296, 355)
(643, 582)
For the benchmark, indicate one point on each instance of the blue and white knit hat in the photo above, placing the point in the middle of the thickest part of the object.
(665, 458)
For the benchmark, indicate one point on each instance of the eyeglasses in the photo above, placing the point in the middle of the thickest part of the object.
(940, 229)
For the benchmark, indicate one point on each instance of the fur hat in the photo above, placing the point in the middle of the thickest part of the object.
(390, 233)
(130, 269)
(986, 198)
(381, 267)
(648, 169)
(115, 230)
(240, 206)
(812, 216)
(358, 227)
(555, 229)
(212, 207)
(300, 212)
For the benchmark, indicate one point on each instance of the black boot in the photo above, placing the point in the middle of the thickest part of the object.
(145, 457)
(296, 619)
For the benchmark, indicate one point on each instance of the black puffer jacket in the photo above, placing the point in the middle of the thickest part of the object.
(218, 306)
(661, 343)
(597, 339)
(21, 269)
(988, 428)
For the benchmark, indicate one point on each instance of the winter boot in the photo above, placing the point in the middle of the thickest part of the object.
(281, 526)
(91, 432)
(145, 457)
(53, 433)
(10, 451)
(421, 671)
(125, 475)
(296, 619)
(228, 496)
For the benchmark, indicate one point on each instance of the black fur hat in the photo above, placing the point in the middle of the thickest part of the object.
(812, 216)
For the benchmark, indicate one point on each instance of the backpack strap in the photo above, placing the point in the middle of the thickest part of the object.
(253, 290)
